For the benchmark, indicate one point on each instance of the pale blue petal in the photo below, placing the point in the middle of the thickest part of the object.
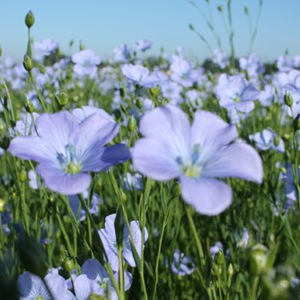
(208, 196)
(82, 287)
(237, 160)
(155, 159)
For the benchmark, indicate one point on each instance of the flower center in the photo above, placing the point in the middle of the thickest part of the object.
(237, 99)
(39, 298)
(192, 168)
(69, 162)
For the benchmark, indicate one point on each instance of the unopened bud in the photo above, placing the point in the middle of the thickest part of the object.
(119, 227)
(123, 92)
(139, 103)
(29, 19)
(230, 270)
(288, 99)
(296, 123)
(62, 99)
(220, 8)
(155, 91)
(246, 9)
(27, 63)
(258, 259)
(219, 259)
(29, 106)
(2, 205)
(132, 124)
(23, 175)
(69, 265)
(191, 27)
(81, 46)
(276, 141)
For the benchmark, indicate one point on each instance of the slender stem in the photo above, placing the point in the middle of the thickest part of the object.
(38, 93)
(254, 287)
(121, 273)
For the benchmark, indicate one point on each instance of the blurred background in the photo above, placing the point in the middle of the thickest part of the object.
(102, 25)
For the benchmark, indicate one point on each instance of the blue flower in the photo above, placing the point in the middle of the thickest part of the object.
(46, 47)
(108, 237)
(67, 149)
(196, 154)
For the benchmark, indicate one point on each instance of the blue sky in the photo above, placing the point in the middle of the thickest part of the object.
(103, 24)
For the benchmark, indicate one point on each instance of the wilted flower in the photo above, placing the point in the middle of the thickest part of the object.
(67, 149)
(196, 154)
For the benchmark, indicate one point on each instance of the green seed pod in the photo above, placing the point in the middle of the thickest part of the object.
(62, 99)
(29, 19)
(288, 99)
(2, 126)
(132, 124)
(246, 10)
(23, 175)
(220, 8)
(139, 103)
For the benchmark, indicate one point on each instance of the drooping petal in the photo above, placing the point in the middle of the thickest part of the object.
(207, 195)
(169, 125)
(237, 160)
(61, 182)
(154, 159)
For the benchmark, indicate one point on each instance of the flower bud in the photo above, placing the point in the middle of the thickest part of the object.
(28, 106)
(288, 99)
(23, 176)
(81, 46)
(219, 259)
(276, 141)
(191, 27)
(69, 264)
(246, 9)
(27, 63)
(62, 99)
(230, 270)
(132, 124)
(220, 8)
(155, 91)
(2, 205)
(29, 19)
(296, 123)
(139, 103)
(119, 228)
(123, 92)
(258, 259)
